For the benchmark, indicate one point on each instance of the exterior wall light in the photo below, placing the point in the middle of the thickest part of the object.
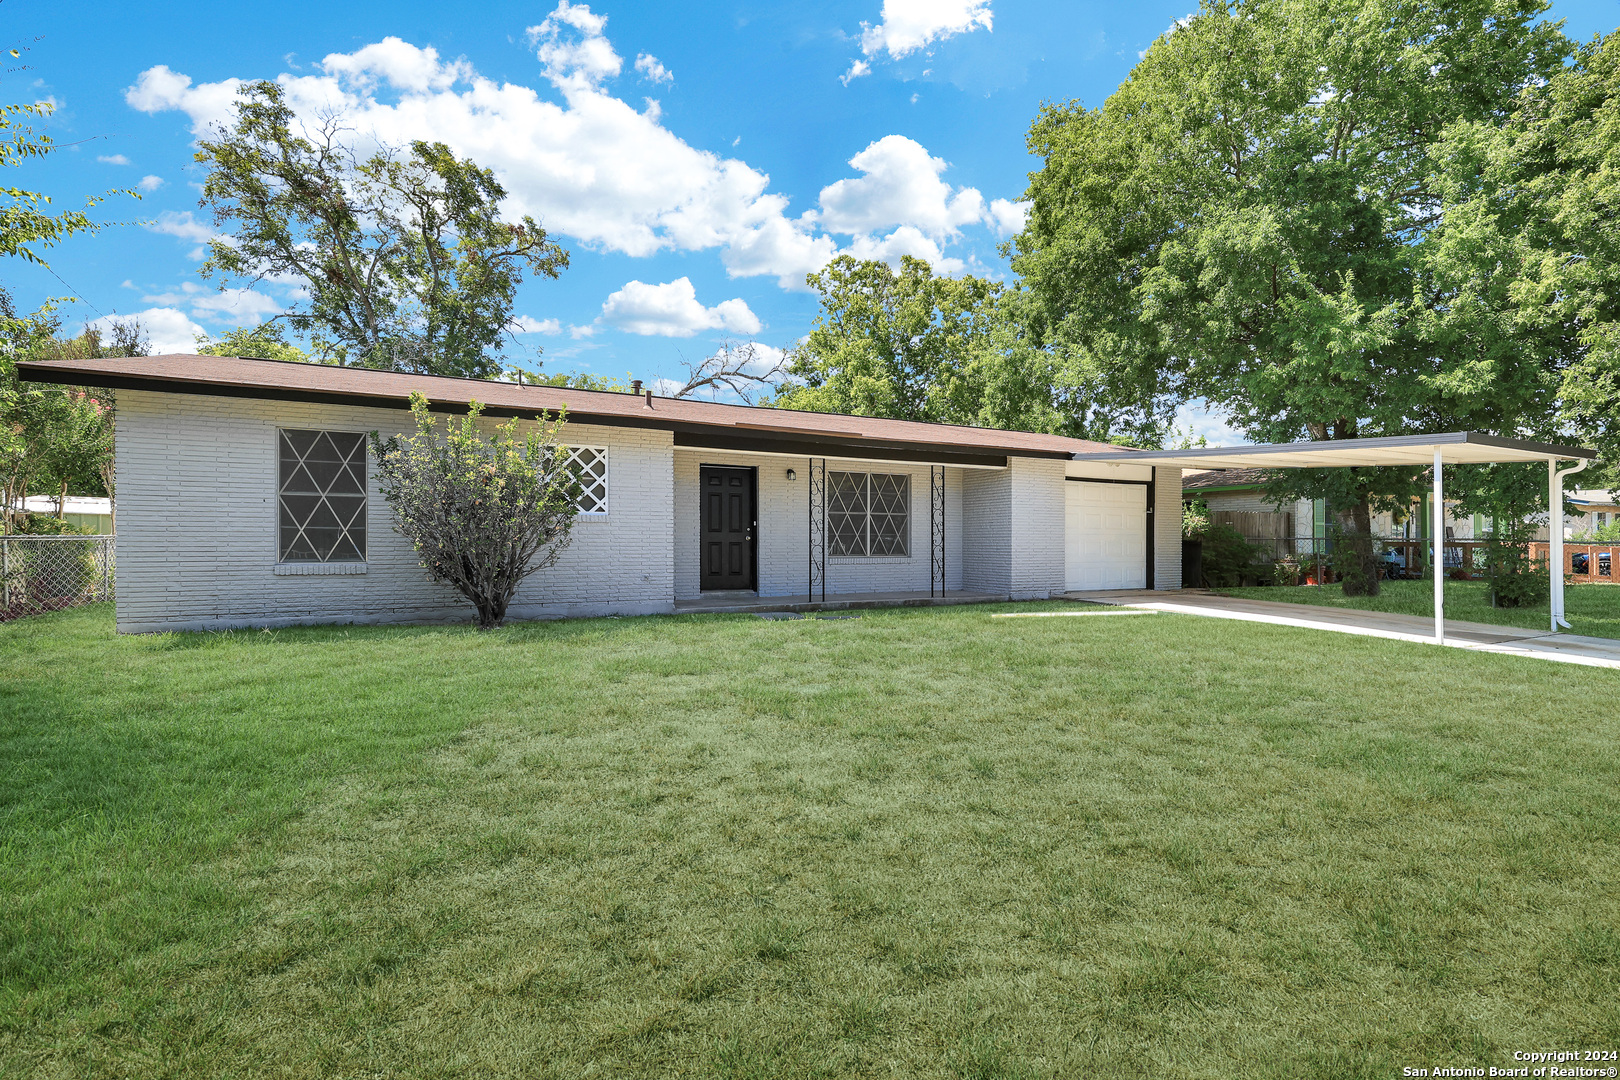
(792, 475)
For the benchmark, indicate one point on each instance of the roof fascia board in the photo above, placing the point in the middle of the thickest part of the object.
(788, 442)
(697, 437)
(1330, 446)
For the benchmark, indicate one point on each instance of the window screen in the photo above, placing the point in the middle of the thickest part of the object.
(868, 514)
(322, 496)
(589, 466)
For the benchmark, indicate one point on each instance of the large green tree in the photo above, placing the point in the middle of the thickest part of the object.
(406, 257)
(1553, 177)
(889, 342)
(914, 345)
(1260, 217)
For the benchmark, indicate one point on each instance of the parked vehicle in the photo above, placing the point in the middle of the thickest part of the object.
(1579, 562)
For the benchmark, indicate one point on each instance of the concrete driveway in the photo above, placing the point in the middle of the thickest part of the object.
(1513, 641)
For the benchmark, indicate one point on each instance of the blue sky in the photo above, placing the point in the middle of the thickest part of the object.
(696, 160)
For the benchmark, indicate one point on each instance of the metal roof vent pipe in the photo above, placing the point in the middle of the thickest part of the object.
(635, 386)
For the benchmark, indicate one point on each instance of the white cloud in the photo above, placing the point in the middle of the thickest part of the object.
(857, 68)
(598, 171)
(673, 310)
(592, 167)
(158, 89)
(909, 25)
(525, 324)
(170, 330)
(398, 64)
(1198, 418)
(906, 240)
(652, 70)
(901, 186)
(234, 307)
(183, 224)
(572, 51)
(765, 358)
(1008, 217)
(113, 159)
(150, 183)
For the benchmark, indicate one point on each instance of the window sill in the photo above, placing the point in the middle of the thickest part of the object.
(308, 569)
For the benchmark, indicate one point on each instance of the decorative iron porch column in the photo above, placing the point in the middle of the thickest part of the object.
(818, 530)
(936, 530)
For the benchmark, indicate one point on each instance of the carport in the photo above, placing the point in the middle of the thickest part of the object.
(1419, 451)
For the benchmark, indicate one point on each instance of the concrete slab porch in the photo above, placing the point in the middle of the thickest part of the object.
(1513, 641)
(730, 602)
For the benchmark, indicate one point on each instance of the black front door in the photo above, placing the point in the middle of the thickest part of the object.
(728, 527)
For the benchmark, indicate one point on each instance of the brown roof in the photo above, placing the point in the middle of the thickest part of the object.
(705, 423)
(1225, 478)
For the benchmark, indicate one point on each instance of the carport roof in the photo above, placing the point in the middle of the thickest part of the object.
(1454, 448)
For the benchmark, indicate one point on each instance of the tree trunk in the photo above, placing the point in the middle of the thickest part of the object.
(1354, 552)
(492, 612)
(61, 503)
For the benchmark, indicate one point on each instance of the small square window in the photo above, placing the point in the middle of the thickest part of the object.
(589, 464)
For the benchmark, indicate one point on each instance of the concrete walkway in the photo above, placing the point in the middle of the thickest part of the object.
(1513, 641)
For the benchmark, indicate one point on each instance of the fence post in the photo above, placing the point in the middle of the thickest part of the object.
(106, 562)
(5, 568)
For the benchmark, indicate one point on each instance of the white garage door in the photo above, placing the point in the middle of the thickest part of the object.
(1105, 536)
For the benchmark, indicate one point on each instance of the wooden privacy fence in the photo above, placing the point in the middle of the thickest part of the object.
(1256, 524)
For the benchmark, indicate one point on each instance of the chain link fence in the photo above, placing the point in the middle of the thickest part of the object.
(49, 573)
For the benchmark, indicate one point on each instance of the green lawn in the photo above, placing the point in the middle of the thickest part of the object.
(919, 843)
(1593, 610)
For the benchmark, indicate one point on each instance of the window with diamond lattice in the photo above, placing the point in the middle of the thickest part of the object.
(322, 489)
(589, 466)
(868, 514)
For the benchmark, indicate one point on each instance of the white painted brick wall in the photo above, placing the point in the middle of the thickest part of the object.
(1037, 527)
(784, 507)
(197, 526)
(986, 532)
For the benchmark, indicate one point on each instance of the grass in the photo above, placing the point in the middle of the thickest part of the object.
(923, 843)
(1593, 610)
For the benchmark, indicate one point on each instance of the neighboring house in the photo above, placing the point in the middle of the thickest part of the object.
(1595, 509)
(93, 514)
(247, 497)
(1236, 497)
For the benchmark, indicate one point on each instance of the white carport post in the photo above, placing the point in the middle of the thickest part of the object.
(1438, 562)
(1555, 536)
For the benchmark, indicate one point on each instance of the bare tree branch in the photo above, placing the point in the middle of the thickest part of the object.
(737, 367)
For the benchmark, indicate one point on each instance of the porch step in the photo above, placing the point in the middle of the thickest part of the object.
(711, 603)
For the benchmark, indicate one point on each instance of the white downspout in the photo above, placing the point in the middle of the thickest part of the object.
(1555, 536)
(1439, 554)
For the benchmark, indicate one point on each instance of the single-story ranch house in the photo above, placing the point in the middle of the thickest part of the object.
(246, 497)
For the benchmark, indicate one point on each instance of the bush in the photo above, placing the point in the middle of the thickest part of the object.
(481, 515)
(1228, 556)
(49, 525)
(1516, 579)
(1285, 572)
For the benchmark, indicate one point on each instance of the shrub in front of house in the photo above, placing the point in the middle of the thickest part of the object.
(482, 515)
